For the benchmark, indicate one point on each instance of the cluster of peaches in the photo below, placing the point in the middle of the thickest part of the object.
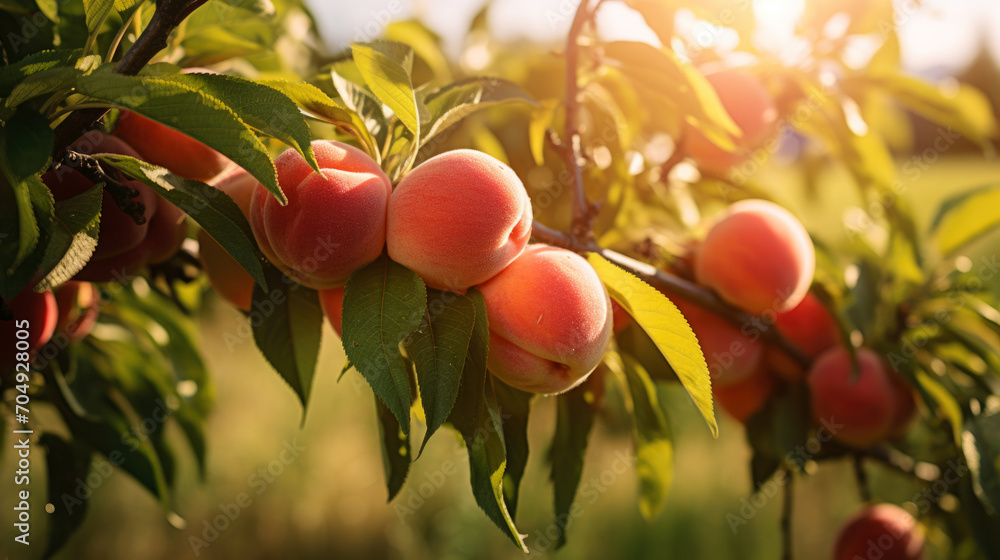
(459, 220)
(759, 258)
(128, 241)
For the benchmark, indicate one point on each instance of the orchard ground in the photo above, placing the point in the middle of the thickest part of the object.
(332, 497)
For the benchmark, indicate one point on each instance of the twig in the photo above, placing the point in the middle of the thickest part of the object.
(672, 284)
(786, 517)
(570, 150)
(169, 13)
(861, 476)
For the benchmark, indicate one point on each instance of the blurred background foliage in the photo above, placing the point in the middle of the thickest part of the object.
(316, 489)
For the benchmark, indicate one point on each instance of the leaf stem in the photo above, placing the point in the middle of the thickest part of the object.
(786, 517)
(121, 34)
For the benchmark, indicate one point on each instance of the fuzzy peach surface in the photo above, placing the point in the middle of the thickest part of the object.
(458, 219)
(166, 147)
(758, 257)
(883, 531)
(227, 277)
(731, 356)
(550, 320)
(334, 221)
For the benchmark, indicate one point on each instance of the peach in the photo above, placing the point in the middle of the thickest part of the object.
(752, 109)
(863, 409)
(758, 257)
(332, 302)
(745, 397)
(334, 222)
(883, 531)
(166, 147)
(550, 320)
(79, 304)
(810, 328)
(40, 313)
(458, 219)
(732, 357)
(227, 277)
(167, 231)
(118, 232)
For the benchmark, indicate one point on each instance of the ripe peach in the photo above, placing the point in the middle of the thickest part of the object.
(334, 222)
(883, 531)
(167, 231)
(751, 108)
(79, 304)
(166, 147)
(758, 257)
(458, 219)
(810, 328)
(227, 277)
(119, 232)
(550, 320)
(731, 356)
(332, 302)
(745, 397)
(39, 309)
(862, 410)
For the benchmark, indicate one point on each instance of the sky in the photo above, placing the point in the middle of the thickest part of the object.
(939, 35)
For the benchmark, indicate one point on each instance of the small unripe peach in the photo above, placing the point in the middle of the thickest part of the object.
(227, 277)
(334, 222)
(118, 232)
(882, 531)
(751, 108)
(332, 302)
(809, 327)
(79, 304)
(166, 147)
(758, 257)
(550, 320)
(862, 410)
(458, 219)
(745, 397)
(731, 356)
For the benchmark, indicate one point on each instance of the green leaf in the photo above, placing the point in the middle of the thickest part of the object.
(515, 405)
(384, 66)
(74, 236)
(383, 304)
(662, 73)
(574, 420)
(659, 318)
(964, 109)
(66, 464)
(966, 217)
(313, 100)
(981, 445)
(395, 450)
(448, 105)
(13, 74)
(359, 99)
(26, 213)
(653, 441)
(25, 143)
(289, 336)
(97, 12)
(945, 400)
(424, 43)
(51, 80)
(190, 111)
(438, 350)
(538, 128)
(477, 417)
(261, 107)
(213, 209)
